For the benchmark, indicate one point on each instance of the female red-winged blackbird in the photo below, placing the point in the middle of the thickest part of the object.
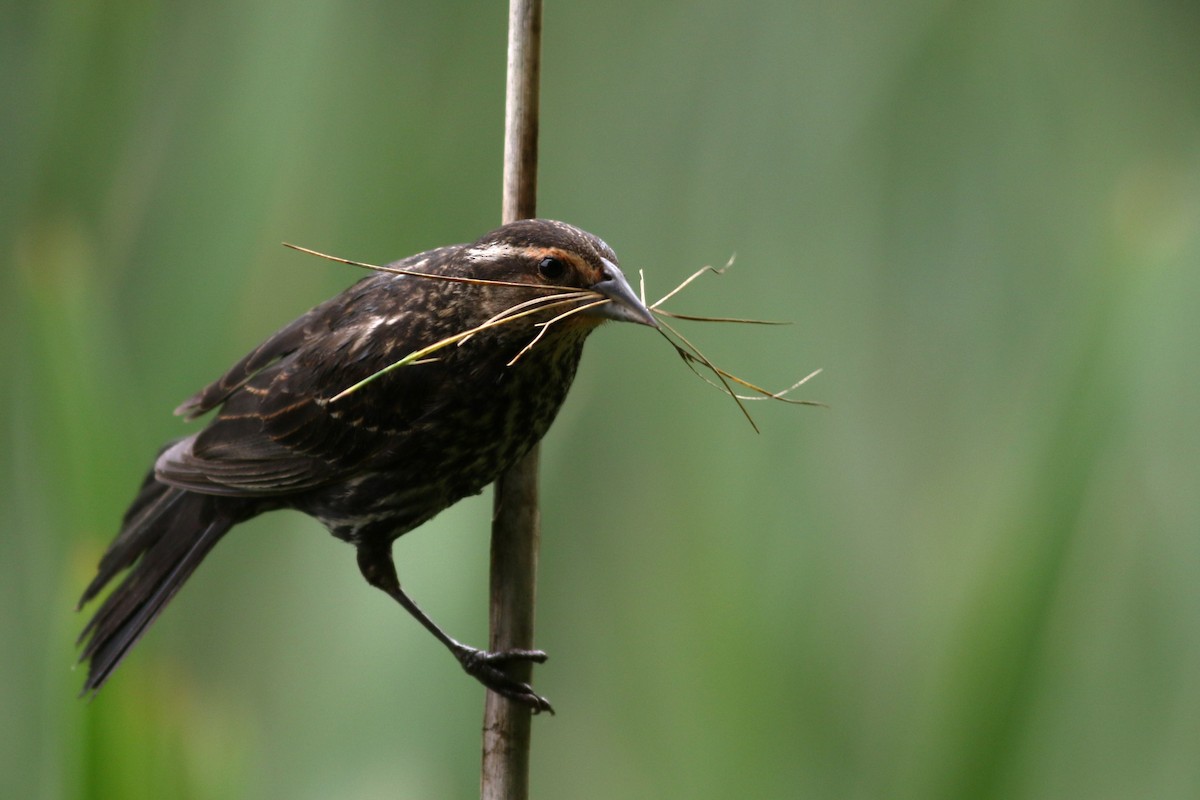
(377, 462)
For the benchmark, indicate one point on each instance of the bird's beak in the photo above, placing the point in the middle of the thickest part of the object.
(623, 305)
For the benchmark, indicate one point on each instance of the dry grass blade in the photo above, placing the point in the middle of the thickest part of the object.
(545, 326)
(545, 303)
(523, 309)
(694, 358)
(416, 356)
(687, 281)
(740, 320)
(763, 394)
(782, 394)
(418, 274)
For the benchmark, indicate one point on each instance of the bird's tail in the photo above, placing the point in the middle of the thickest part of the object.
(167, 532)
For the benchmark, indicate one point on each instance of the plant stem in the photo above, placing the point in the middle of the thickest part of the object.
(515, 524)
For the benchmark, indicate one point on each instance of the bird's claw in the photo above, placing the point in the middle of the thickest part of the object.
(488, 668)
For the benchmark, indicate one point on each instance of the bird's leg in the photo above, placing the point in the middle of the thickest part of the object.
(377, 567)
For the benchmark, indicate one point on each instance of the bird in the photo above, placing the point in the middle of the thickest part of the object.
(320, 419)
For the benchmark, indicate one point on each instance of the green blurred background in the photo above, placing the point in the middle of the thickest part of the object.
(975, 575)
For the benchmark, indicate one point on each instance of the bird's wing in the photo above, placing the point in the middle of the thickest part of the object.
(277, 431)
(281, 344)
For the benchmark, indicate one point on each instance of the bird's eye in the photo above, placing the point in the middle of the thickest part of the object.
(552, 268)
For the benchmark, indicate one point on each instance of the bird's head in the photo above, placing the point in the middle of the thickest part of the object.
(554, 256)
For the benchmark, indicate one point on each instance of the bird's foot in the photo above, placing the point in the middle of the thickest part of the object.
(488, 669)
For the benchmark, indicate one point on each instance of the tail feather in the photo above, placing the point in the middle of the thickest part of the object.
(165, 535)
(148, 518)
